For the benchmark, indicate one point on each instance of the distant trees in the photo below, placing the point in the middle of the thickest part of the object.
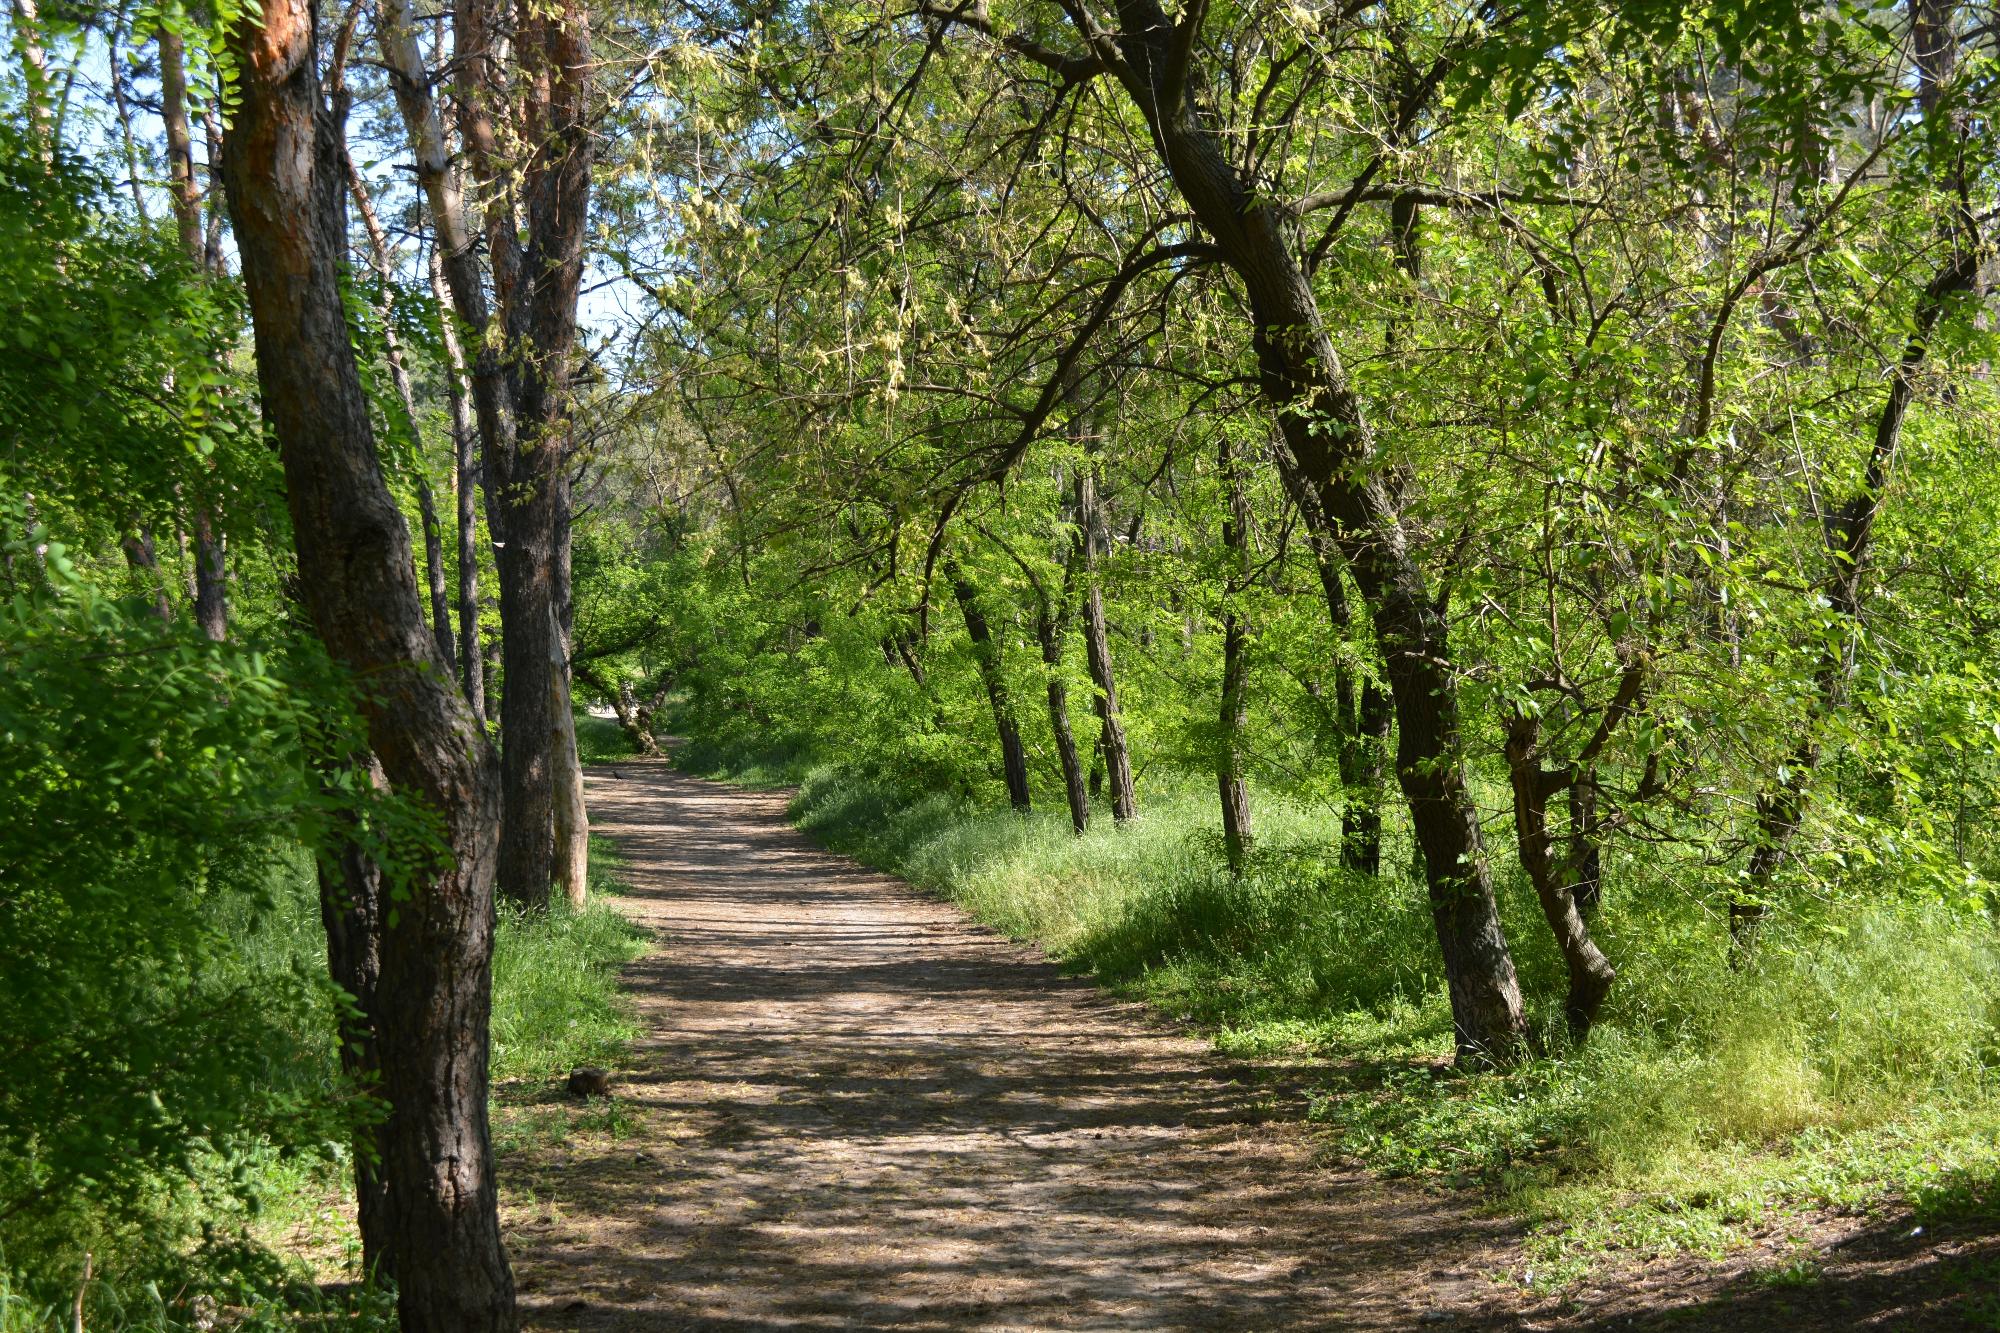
(1560, 356)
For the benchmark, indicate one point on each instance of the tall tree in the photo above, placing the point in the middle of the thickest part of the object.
(285, 191)
(535, 215)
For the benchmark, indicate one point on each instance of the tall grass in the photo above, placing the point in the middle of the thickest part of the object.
(556, 1002)
(1854, 1061)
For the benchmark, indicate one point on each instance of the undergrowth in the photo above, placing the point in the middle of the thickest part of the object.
(258, 1238)
(1854, 1063)
(556, 1002)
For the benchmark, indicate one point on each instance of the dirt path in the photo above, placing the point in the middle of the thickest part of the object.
(856, 1109)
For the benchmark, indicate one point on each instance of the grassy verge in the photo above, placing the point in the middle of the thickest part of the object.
(556, 1002)
(1853, 1066)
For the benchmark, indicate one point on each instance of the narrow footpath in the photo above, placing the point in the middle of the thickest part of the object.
(856, 1108)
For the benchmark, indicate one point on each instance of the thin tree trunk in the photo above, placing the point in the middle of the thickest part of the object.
(1849, 530)
(211, 579)
(522, 400)
(491, 651)
(350, 902)
(27, 34)
(1364, 774)
(1074, 789)
(399, 376)
(572, 821)
(1097, 651)
(1235, 708)
(141, 556)
(1590, 973)
(1013, 758)
(1361, 710)
(465, 480)
(433, 994)
(211, 604)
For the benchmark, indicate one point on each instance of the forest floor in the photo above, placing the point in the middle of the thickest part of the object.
(854, 1107)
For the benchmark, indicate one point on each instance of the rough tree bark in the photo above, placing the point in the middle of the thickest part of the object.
(520, 375)
(285, 194)
(1331, 440)
(1013, 758)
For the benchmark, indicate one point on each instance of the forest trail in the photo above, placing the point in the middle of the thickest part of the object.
(855, 1108)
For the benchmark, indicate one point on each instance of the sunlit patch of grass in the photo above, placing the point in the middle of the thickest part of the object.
(556, 1001)
(599, 740)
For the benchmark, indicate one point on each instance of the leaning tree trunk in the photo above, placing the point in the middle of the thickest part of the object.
(1555, 884)
(1230, 782)
(355, 572)
(1013, 758)
(1332, 443)
(1111, 741)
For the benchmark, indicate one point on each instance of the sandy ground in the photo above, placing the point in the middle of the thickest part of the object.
(854, 1108)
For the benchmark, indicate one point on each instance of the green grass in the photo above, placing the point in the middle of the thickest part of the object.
(556, 1002)
(1852, 1065)
(599, 740)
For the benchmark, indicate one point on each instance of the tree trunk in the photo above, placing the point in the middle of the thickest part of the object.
(637, 720)
(355, 572)
(490, 650)
(1850, 529)
(1235, 704)
(211, 606)
(399, 376)
(350, 903)
(572, 822)
(1331, 441)
(1013, 758)
(1590, 973)
(1364, 773)
(1361, 711)
(465, 480)
(521, 399)
(1097, 650)
(1074, 789)
(141, 556)
(211, 580)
